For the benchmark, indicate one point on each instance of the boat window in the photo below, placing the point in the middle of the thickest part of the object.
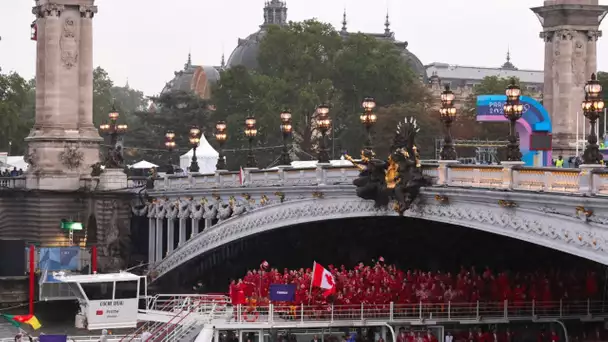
(75, 290)
(126, 290)
(98, 291)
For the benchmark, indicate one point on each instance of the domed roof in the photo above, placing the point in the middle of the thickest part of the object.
(246, 52)
(193, 78)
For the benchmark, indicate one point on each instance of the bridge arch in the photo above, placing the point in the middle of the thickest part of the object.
(540, 225)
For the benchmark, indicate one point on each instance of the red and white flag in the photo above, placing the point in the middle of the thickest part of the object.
(324, 279)
(241, 176)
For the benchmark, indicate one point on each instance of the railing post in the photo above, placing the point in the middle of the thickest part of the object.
(270, 312)
(585, 178)
(588, 307)
(443, 171)
(449, 310)
(420, 310)
(505, 308)
(332, 312)
(477, 310)
(302, 312)
(239, 313)
(561, 308)
(362, 311)
(533, 308)
(508, 173)
(391, 312)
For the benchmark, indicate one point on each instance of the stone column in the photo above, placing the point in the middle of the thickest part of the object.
(85, 105)
(170, 235)
(159, 239)
(182, 231)
(52, 63)
(151, 240)
(194, 226)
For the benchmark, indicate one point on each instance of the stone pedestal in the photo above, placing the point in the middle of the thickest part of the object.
(112, 179)
(507, 173)
(586, 177)
(64, 143)
(444, 165)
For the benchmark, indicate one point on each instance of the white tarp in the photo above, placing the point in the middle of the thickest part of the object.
(206, 157)
(143, 165)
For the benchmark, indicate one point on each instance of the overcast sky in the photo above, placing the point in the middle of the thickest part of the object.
(145, 41)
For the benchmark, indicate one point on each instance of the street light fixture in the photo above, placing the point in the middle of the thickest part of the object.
(114, 158)
(221, 136)
(368, 119)
(194, 138)
(251, 132)
(593, 105)
(513, 110)
(448, 115)
(286, 129)
(170, 144)
(324, 124)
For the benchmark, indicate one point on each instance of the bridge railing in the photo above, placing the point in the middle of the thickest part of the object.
(17, 182)
(588, 181)
(449, 311)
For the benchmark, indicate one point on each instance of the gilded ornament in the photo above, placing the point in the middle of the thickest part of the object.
(280, 195)
(507, 204)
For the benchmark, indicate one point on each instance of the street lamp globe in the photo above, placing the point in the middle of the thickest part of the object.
(195, 131)
(593, 86)
(368, 104)
(285, 116)
(323, 110)
(447, 97)
(170, 135)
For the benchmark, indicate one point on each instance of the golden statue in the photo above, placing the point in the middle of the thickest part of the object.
(391, 173)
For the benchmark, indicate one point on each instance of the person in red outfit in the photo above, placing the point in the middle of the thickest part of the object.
(429, 337)
(554, 336)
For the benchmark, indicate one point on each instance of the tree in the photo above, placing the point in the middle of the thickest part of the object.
(17, 105)
(304, 64)
(176, 111)
(102, 96)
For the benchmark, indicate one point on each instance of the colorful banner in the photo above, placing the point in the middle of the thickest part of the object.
(282, 292)
(59, 258)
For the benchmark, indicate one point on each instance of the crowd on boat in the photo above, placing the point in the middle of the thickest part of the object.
(380, 283)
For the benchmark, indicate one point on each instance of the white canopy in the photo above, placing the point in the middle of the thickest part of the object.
(143, 165)
(15, 161)
(206, 156)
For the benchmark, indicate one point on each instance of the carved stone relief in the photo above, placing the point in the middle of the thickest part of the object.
(69, 43)
(71, 157)
(32, 159)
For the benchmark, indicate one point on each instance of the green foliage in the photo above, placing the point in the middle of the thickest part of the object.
(17, 102)
(302, 65)
(176, 111)
(102, 96)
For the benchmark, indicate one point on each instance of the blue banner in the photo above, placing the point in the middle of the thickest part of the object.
(53, 338)
(59, 258)
(282, 292)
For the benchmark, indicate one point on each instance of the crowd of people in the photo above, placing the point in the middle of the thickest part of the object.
(11, 173)
(381, 283)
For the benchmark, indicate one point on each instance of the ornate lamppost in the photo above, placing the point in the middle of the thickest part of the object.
(324, 124)
(220, 137)
(286, 129)
(368, 119)
(448, 114)
(251, 132)
(513, 110)
(114, 158)
(592, 107)
(195, 138)
(170, 144)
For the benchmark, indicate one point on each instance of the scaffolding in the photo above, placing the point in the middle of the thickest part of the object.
(486, 151)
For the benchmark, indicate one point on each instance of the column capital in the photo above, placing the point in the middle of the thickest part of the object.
(594, 35)
(547, 36)
(48, 10)
(88, 11)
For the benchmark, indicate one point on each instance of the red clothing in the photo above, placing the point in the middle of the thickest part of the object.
(429, 338)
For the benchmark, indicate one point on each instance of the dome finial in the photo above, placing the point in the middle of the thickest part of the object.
(223, 62)
(387, 25)
(344, 22)
(275, 13)
(188, 64)
(508, 65)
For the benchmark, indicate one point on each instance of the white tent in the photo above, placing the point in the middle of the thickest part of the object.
(18, 162)
(206, 157)
(143, 165)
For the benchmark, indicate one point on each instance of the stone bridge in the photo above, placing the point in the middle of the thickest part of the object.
(564, 209)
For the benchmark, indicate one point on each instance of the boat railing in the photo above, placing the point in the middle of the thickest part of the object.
(448, 311)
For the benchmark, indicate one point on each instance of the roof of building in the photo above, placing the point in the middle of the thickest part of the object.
(194, 78)
(275, 12)
(459, 72)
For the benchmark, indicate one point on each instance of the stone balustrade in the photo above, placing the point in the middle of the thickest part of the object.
(583, 181)
(12, 182)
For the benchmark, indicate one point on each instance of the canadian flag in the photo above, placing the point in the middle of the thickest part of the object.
(324, 279)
